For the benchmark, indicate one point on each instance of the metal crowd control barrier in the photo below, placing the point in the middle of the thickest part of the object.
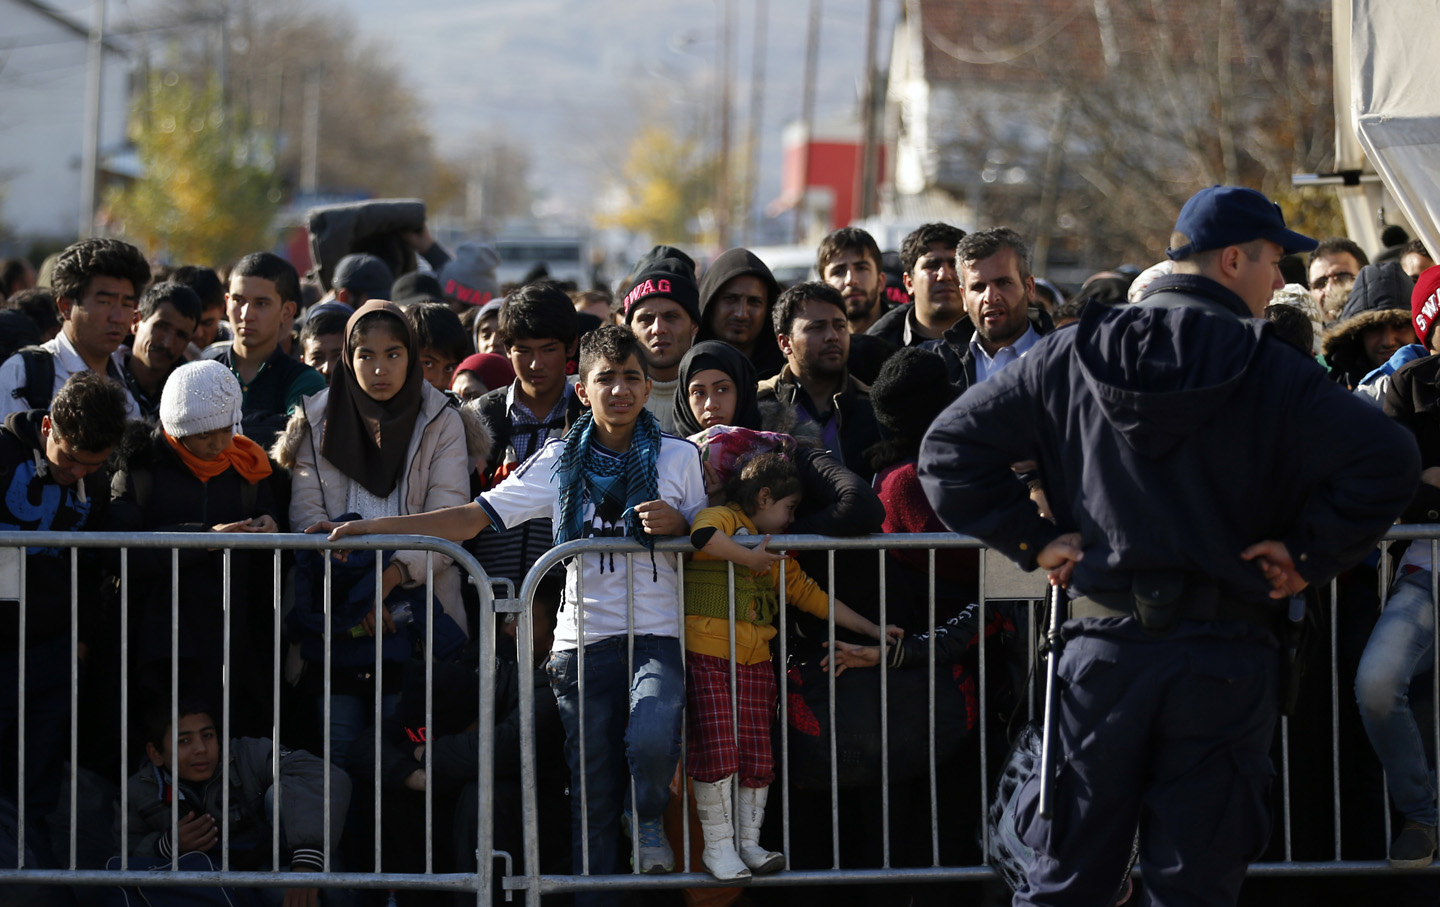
(999, 581)
(479, 882)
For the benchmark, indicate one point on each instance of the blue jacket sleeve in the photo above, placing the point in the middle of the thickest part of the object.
(966, 459)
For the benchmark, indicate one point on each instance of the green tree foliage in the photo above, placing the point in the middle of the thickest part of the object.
(202, 198)
(669, 185)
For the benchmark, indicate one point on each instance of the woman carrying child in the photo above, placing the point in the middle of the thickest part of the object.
(380, 441)
(761, 499)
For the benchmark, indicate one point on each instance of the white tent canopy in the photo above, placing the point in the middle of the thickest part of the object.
(1393, 105)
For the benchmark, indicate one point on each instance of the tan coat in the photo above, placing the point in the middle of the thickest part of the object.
(443, 447)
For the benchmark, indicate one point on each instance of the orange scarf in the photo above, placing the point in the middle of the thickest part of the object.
(245, 455)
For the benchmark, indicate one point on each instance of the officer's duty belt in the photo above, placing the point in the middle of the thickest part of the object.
(1198, 607)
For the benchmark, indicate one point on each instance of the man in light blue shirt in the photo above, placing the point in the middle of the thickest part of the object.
(998, 291)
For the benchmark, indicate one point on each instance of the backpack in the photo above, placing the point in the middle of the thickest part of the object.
(39, 385)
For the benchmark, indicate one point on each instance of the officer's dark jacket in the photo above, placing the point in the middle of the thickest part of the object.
(1171, 439)
(954, 346)
(1413, 400)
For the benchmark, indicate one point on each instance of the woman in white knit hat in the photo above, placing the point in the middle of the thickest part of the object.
(196, 473)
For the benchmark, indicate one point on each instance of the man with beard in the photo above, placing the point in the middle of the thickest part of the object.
(737, 295)
(169, 313)
(814, 397)
(932, 279)
(849, 260)
(998, 289)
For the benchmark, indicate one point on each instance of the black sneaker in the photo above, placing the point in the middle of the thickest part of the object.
(1414, 847)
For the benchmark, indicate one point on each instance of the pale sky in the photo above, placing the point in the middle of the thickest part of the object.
(573, 79)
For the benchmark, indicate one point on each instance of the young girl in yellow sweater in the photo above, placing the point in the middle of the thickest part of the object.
(761, 499)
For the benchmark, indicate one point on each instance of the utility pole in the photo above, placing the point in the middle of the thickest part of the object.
(757, 106)
(864, 203)
(807, 118)
(723, 201)
(310, 131)
(90, 154)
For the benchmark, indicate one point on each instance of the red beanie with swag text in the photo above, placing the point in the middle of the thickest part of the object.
(1425, 303)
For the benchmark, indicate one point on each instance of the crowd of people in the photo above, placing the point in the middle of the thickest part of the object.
(412, 393)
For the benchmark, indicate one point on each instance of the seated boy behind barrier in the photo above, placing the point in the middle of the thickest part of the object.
(614, 474)
(195, 777)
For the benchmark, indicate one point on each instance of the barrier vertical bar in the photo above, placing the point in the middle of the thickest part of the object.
(485, 837)
(379, 688)
(984, 712)
(834, 749)
(685, 790)
(275, 586)
(734, 704)
(782, 615)
(1335, 709)
(580, 700)
(930, 696)
(329, 640)
(20, 649)
(430, 710)
(630, 666)
(1383, 594)
(124, 707)
(529, 805)
(884, 716)
(174, 704)
(226, 675)
(74, 694)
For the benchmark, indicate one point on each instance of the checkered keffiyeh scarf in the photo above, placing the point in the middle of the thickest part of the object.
(586, 473)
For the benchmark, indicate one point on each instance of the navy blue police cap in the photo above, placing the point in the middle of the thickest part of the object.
(1230, 215)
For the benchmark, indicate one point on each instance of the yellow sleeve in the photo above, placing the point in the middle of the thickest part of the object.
(803, 592)
(720, 518)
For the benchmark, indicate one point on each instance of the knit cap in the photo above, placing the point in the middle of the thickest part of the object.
(913, 387)
(364, 274)
(470, 276)
(1297, 296)
(1425, 304)
(669, 278)
(417, 286)
(200, 396)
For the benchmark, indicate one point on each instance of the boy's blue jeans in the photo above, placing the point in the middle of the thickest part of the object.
(1399, 648)
(633, 715)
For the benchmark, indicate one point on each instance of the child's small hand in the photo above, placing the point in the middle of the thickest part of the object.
(851, 656)
(237, 526)
(197, 833)
(761, 559)
(263, 523)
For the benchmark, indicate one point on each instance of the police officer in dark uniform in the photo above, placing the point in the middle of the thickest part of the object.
(1200, 472)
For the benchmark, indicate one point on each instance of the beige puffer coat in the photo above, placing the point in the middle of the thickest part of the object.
(444, 446)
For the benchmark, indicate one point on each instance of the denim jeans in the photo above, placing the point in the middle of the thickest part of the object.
(349, 715)
(633, 714)
(1399, 648)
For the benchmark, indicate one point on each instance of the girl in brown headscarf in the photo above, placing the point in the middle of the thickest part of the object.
(380, 441)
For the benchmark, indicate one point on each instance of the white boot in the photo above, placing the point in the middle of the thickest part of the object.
(712, 804)
(752, 816)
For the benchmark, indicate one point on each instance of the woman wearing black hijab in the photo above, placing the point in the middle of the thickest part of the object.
(379, 441)
(717, 387)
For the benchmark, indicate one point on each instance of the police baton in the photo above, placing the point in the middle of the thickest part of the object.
(1047, 740)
